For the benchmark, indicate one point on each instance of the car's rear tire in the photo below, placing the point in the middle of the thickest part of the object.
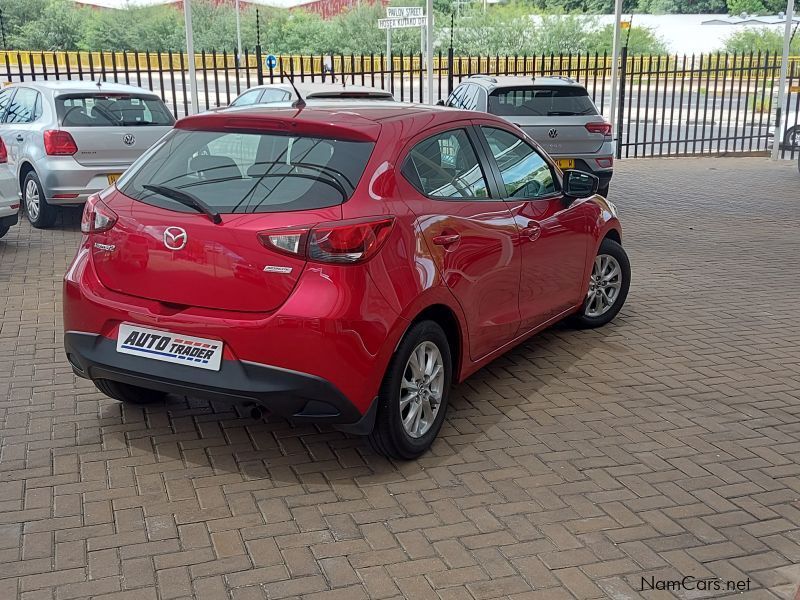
(129, 394)
(609, 282)
(414, 393)
(603, 189)
(40, 214)
(4, 230)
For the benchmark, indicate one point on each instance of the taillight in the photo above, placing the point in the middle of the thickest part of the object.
(59, 143)
(605, 163)
(351, 241)
(602, 127)
(3, 152)
(97, 217)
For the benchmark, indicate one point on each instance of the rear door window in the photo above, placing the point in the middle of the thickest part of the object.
(239, 172)
(23, 106)
(527, 101)
(111, 110)
(446, 166)
(272, 95)
(5, 99)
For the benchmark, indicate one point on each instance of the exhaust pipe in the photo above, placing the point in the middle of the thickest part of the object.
(257, 412)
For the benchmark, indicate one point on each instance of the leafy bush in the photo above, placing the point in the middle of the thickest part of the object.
(759, 40)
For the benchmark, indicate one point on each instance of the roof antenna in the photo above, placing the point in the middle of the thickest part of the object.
(98, 83)
(300, 102)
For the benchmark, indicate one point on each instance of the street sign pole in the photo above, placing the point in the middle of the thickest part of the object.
(782, 97)
(429, 44)
(389, 50)
(187, 15)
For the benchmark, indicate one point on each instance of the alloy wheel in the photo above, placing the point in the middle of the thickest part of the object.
(421, 389)
(605, 283)
(32, 200)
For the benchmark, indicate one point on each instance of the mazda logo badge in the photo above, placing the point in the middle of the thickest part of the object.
(174, 238)
(553, 133)
(128, 139)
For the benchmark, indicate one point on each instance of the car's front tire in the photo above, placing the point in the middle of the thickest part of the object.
(40, 214)
(414, 393)
(129, 394)
(609, 282)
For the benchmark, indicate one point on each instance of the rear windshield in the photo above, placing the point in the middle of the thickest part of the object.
(541, 102)
(111, 110)
(249, 172)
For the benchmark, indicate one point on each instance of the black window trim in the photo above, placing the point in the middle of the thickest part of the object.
(13, 91)
(480, 153)
(33, 113)
(497, 173)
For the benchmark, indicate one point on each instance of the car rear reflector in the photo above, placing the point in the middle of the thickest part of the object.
(605, 163)
(352, 241)
(59, 143)
(602, 127)
(65, 196)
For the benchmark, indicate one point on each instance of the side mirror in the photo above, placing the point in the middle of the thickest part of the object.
(578, 184)
(440, 103)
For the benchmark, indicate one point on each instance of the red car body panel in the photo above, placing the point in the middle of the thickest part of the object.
(500, 281)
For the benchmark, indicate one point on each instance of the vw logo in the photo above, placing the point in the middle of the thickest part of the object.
(553, 133)
(174, 238)
(128, 139)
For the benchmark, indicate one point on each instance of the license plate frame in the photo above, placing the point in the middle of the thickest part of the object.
(112, 177)
(170, 347)
(565, 163)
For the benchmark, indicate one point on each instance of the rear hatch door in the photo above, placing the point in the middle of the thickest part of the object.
(554, 116)
(256, 182)
(112, 129)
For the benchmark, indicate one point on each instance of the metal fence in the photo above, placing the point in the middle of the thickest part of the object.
(667, 105)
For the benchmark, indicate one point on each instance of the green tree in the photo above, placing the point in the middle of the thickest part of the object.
(758, 40)
(751, 7)
(59, 26)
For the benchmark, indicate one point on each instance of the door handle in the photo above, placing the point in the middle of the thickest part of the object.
(20, 138)
(532, 231)
(446, 239)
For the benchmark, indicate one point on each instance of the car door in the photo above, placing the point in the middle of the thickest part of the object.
(468, 230)
(23, 110)
(554, 232)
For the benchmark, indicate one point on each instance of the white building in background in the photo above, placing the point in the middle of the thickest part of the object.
(690, 34)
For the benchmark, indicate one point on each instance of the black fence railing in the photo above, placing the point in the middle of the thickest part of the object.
(667, 105)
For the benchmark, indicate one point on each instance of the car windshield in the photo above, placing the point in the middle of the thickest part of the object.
(241, 172)
(528, 101)
(111, 110)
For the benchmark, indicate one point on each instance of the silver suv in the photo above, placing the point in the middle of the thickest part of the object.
(69, 139)
(556, 112)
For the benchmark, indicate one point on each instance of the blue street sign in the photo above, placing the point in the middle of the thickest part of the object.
(271, 61)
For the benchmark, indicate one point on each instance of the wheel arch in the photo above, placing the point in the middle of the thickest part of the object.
(613, 234)
(25, 168)
(446, 318)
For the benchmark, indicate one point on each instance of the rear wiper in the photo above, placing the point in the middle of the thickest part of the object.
(186, 199)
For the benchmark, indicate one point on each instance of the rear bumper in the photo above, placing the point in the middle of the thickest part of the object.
(296, 396)
(64, 176)
(9, 220)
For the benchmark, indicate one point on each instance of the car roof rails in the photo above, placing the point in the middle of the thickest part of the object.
(486, 77)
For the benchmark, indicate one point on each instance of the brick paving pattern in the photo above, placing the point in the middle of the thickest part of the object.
(665, 445)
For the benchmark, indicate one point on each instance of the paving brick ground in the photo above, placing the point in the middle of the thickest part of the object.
(665, 445)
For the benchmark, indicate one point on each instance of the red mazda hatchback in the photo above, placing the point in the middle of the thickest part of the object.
(336, 263)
